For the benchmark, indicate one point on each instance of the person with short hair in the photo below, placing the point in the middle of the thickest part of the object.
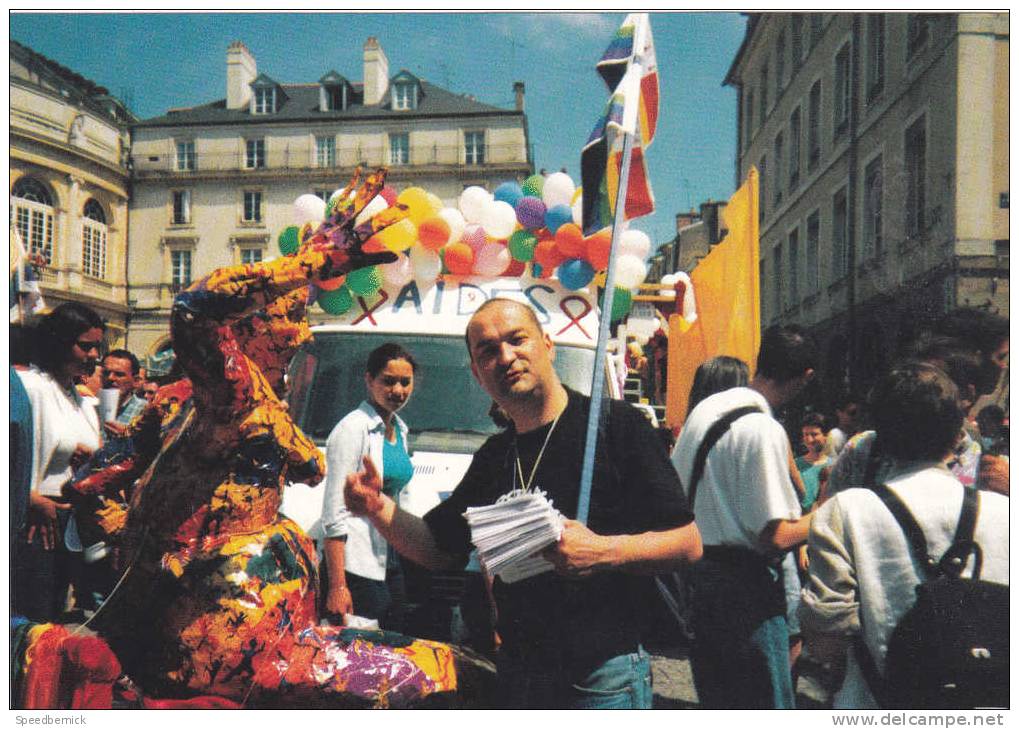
(120, 371)
(863, 574)
(571, 638)
(814, 461)
(363, 573)
(749, 515)
(847, 424)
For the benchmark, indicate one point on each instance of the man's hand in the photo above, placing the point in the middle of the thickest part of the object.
(579, 551)
(363, 490)
(339, 601)
(802, 559)
(994, 474)
(42, 519)
(80, 456)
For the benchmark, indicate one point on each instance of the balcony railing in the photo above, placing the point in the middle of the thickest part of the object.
(304, 157)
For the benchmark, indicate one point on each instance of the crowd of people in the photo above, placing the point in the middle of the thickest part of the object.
(787, 548)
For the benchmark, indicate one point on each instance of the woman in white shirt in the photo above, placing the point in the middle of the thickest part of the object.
(66, 431)
(363, 572)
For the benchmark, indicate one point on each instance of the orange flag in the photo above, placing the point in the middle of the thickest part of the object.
(726, 285)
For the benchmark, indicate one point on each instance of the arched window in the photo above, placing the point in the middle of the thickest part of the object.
(32, 212)
(93, 240)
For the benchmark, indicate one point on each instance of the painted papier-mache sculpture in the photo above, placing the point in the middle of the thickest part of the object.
(218, 591)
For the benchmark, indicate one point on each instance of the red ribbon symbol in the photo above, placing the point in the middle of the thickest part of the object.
(368, 311)
(575, 320)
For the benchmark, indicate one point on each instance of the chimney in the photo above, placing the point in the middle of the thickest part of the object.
(518, 90)
(240, 72)
(376, 72)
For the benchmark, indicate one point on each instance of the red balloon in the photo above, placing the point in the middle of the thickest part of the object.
(546, 254)
(570, 241)
(459, 258)
(388, 194)
(599, 246)
(331, 284)
(516, 268)
(433, 233)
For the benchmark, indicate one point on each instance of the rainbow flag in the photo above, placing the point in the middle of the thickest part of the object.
(630, 70)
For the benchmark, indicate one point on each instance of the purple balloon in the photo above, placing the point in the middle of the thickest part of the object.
(530, 212)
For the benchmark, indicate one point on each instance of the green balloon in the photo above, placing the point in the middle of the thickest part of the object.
(337, 301)
(622, 301)
(288, 241)
(365, 281)
(533, 185)
(521, 245)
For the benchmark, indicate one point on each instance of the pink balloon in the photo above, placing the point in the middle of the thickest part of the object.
(492, 260)
(398, 272)
(474, 236)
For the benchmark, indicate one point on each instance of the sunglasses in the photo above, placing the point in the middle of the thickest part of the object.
(86, 346)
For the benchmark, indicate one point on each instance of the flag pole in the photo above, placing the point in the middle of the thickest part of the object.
(597, 379)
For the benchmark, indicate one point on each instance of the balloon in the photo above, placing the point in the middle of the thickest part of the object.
(389, 194)
(630, 271)
(547, 254)
(364, 281)
(376, 206)
(570, 241)
(419, 205)
(459, 258)
(499, 219)
(558, 190)
(516, 268)
(521, 245)
(635, 242)
(509, 192)
(575, 273)
(599, 246)
(472, 203)
(426, 264)
(398, 272)
(308, 208)
(533, 185)
(456, 222)
(398, 236)
(492, 260)
(434, 201)
(530, 212)
(288, 240)
(577, 205)
(622, 300)
(336, 302)
(434, 232)
(474, 236)
(331, 284)
(557, 216)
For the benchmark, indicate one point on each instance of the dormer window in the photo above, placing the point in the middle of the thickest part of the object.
(404, 96)
(333, 93)
(264, 101)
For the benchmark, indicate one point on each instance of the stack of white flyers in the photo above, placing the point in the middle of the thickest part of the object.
(511, 533)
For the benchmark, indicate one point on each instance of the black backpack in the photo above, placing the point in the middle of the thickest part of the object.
(950, 650)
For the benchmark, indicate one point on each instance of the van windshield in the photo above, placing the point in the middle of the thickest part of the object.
(448, 411)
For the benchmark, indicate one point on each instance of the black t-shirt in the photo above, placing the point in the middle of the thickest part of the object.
(548, 621)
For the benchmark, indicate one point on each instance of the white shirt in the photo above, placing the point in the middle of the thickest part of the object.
(746, 480)
(863, 575)
(361, 432)
(61, 421)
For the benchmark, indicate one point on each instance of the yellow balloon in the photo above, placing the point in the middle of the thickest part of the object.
(576, 195)
(398, 237)
(419, 205)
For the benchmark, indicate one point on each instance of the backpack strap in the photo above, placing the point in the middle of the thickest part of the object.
(716, 431)
(912, 530)
(953, 562)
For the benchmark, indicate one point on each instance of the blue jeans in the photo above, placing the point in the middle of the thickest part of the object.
(622, 682)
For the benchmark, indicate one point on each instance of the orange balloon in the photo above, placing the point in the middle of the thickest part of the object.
(433, 233)
(331, 284)
(516, 268)
(570, 241)
(599, 246)
(546, 254)
(459, 258)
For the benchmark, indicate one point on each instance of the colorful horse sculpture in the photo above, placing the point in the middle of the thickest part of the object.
(217, 595)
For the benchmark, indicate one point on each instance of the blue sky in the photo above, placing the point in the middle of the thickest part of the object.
(159, 61)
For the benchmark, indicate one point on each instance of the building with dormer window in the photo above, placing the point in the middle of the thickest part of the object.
(214, 184)
(69, 177)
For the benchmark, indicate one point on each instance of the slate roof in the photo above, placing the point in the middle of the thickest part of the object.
(302, 105)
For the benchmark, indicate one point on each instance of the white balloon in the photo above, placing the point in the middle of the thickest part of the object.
(473, 201)
(635, 243)
(630, 272)
(397, 273)
(492, 260)
(455, 219)
(376, 206)
(578, 210)
(499, 219)
(557, 190)
(426, 263)
(309, 208)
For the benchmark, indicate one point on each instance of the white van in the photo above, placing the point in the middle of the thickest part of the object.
(448, 412)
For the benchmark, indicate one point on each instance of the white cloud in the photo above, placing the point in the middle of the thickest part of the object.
(545, 29)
